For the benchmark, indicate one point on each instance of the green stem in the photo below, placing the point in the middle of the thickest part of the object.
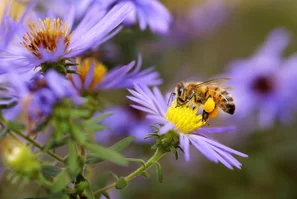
(157, 155)
(32, 141)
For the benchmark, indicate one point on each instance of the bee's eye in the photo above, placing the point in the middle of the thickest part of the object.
(180, 90)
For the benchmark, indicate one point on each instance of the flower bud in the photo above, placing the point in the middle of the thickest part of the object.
(19, 158)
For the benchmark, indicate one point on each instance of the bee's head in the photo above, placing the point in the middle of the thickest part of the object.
(180, 89)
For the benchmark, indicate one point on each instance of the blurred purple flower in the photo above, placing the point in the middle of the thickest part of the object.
(198, 23)
(150, 13)
(10, 24)
(38, 96)
(55, 44)
(154, 104)
(125, 121)
(93, 76)
(61, 7)
(265, 82)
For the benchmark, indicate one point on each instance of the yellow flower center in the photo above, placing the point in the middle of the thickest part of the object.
(184, 118)
(46, 35)
(83, 68)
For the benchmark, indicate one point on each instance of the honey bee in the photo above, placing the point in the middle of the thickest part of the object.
(199, 92)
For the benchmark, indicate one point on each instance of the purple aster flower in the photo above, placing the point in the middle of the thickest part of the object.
(186, 123)
(263, 84)
(37, 97)
(52, 42)
(125, 121)
(150, 13)
(93, 75)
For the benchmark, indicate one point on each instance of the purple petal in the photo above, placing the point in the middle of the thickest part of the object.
(185, 144)
(167, 127)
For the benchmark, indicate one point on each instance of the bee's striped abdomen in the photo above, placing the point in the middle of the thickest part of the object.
(223, 99)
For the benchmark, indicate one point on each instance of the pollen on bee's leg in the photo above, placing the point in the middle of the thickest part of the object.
(214, 113)
(209, 105)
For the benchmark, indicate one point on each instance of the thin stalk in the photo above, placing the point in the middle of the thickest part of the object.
(38, 145)
(157, 155)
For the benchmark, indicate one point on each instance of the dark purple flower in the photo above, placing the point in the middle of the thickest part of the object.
(264, 83)
(38, 96)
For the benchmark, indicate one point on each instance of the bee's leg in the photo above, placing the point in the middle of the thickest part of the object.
(188, 99)
(170, 98)
(179, 100)
(205, 116)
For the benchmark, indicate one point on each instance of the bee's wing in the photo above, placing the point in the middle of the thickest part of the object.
(216, 82)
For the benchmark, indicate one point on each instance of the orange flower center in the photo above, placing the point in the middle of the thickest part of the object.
(46, 35)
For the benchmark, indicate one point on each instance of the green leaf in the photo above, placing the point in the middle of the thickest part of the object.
(79, 113)
(52, 143)
(155, 127)
(151, 135)
(83, 185)
(122, 144)
(174, 151)
(61, 181)
(49, 170)
(94, 128)
(72, 160)
(121, 183)
(99, 118)
(159, 172)
(89, 191)
(106, 154)
(3, 132)
(137, 160)
(92, 125)
(78, 135)
(14, 126)
(118, 147)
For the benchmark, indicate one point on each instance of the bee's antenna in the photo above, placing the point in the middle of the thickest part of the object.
(170, 98)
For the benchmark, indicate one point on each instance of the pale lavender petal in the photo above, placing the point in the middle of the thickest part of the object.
(167, 127)
(90, 76)
(185, 145)
(216, 129)
(76, 81)
(204, 148)
(223, 147)
(85, 39)
(143, 109)
(157, 118)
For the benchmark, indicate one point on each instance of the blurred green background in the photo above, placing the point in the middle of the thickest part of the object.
(270, 172)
